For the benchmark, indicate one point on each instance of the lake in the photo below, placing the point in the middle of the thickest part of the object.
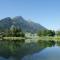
(48, 53)
(41, 50)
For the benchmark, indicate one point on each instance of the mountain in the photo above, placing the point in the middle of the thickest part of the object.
(5, 23)
(20, 22)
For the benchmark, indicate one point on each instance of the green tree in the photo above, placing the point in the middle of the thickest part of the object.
(51, 33)
(46, 33)
(14, 32)
(58, 33)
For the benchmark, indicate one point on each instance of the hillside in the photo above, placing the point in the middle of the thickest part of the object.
(20, 22)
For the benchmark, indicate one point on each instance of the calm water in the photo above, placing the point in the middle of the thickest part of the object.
(48, 53)
(42, 50)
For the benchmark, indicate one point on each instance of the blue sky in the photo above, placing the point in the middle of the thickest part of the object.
(44, 12)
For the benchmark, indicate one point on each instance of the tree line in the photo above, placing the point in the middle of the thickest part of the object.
(14, 32)
(46, 33)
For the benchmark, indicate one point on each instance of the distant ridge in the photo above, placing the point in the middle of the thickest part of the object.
(20, 22)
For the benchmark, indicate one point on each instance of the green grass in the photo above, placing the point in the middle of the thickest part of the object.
(34, 39)
(55, 38)
(13, 38)
(46, 38)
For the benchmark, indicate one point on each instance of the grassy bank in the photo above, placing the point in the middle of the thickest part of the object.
(33, 39)
(45, 38)
(55, 38)
(13, 38)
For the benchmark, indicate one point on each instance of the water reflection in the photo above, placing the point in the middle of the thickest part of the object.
(1, 58)
(50, 53)
(16, 50)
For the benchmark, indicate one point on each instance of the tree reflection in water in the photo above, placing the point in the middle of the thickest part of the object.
(18, 50)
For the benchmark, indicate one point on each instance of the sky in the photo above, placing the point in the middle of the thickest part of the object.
(44, 12)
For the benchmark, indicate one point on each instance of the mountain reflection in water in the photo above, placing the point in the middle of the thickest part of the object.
(50, 53)
(14, 50)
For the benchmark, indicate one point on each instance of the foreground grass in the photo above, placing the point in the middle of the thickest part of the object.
(13, 38)
(33, 39)
(55, 38)
(45, 38)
